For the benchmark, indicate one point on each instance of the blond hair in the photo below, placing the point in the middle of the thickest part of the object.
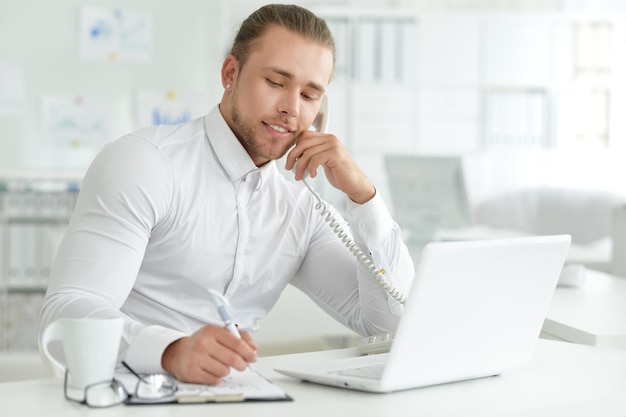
(289, 16)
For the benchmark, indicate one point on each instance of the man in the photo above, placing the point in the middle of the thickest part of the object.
(168, 213)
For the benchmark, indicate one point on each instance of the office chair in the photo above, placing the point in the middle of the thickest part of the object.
(585, 214)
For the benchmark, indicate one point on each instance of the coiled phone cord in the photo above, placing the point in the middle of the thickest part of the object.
(352, 247)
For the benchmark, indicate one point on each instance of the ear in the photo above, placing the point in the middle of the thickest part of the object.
(230, 69)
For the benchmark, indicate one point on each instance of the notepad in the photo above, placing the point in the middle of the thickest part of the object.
(238, 386)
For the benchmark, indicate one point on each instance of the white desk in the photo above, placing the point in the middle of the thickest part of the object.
(594, 314)
(563, 379)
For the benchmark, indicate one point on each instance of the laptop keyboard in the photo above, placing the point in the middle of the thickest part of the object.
(370, 371)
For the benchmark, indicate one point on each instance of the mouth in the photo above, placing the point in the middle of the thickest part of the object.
(279, 130)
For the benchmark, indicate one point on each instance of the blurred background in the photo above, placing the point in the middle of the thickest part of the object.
(474, 118)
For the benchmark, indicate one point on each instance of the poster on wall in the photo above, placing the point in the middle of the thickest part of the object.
(170, 107)
(73, 122)
(115, 35)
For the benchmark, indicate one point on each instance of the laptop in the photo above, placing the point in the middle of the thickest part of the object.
(475, 309)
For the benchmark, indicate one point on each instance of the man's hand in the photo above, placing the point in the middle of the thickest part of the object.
(314, 149)
(206, 356)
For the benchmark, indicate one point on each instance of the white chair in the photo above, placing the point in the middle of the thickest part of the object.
(582, 213)
(585, 214)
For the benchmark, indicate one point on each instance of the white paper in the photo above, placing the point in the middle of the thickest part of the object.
(237, 386)
(76, 121)
(169, 107)
(115, 35)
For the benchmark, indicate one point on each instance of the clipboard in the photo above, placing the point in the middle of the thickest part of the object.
(238, 386)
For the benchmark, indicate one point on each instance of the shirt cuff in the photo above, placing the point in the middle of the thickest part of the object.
(146, 349)
(371, 220)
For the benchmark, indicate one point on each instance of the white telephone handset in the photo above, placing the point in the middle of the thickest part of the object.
(320, 124)
(321, 120)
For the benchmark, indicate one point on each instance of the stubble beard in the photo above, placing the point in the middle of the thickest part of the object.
(244, 131)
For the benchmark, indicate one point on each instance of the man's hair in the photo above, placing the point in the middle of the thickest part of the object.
(289, 16)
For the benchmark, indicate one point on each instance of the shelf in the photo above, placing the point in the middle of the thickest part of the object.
(40, 287)
(34, 219)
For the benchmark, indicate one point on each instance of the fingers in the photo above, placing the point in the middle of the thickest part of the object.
(248, 339)
(208, 355)
(235, 352)
(313, 150)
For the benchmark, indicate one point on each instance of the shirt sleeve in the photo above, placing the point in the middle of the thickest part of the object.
(345, 289)
(125, 192)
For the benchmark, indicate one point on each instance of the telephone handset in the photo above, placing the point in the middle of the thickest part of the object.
(321, 120)
(320, 124)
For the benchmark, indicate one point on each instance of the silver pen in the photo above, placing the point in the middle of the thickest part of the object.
(222, 310)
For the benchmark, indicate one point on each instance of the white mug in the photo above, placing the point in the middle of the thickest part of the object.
(90, 346)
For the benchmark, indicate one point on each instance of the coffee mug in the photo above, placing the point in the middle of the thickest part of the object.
(90, 346)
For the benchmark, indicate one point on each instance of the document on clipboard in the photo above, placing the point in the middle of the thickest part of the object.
(238, 386)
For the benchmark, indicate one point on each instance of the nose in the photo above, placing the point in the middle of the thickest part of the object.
(289, 103)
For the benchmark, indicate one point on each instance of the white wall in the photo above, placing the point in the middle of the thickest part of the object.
(455, 52)
(41, 37)
(455, 62)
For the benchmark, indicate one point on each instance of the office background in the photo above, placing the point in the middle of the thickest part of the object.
(521, 94)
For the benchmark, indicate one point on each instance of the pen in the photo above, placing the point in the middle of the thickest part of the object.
(225, 316)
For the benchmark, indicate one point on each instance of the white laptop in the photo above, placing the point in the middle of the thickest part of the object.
(475, 309)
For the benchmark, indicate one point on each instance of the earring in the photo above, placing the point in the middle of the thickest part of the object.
(227, 86)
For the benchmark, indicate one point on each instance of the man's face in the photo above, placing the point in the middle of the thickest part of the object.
(277, 93)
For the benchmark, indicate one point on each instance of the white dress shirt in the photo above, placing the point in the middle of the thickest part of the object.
(168, 212)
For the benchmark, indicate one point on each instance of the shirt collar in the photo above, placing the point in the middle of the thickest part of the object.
(229, 151)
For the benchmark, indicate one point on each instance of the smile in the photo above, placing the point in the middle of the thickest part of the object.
(278, 128)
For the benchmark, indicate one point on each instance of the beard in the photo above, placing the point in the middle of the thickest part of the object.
(249, 135)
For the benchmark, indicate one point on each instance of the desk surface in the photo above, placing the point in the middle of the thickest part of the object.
(594, 314)
(562, 379)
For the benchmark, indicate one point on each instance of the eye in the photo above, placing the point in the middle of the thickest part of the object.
(310, 97)
(273, 83)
